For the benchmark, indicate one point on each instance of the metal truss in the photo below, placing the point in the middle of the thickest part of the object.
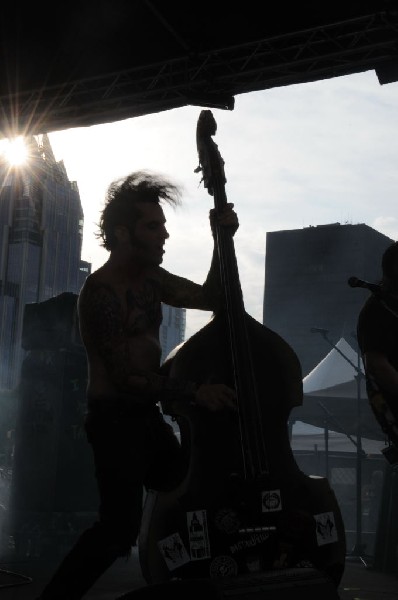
(211, 78)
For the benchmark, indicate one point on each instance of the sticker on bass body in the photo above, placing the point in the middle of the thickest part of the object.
(223, 566)
(227, 520)
(173, 551)
(198, 533)
(271, 501)
(326, 530)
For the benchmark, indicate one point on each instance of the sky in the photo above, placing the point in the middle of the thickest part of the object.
(295, 156)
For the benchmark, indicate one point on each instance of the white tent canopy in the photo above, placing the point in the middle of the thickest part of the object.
(334, 397)
(334, 369)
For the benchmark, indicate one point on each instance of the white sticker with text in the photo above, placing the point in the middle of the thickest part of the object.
(326, 530)
(271, 500)
(198, 532)
(173, 551)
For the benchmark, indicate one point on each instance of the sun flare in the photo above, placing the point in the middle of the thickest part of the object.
(15, 151)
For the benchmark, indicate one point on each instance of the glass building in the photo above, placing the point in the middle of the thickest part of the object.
(172, 329)
(41, 220)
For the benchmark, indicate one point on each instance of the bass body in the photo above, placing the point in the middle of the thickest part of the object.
(218, 523)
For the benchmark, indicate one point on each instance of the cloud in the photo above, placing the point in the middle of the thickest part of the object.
(386, 225)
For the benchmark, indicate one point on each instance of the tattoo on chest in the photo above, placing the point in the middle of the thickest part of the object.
(143, 309)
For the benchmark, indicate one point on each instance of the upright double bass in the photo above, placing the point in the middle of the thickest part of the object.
(243, 505)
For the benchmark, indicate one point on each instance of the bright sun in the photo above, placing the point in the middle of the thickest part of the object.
(15, 151)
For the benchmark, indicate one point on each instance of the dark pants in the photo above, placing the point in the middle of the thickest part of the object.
(130, 452)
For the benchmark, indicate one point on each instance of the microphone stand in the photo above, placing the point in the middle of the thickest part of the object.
(358, 550)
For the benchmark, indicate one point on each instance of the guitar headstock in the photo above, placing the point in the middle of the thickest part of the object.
(211, 162)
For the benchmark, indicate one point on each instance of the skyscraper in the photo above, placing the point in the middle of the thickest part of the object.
(306, 284)
(172, 329)
(41, 220)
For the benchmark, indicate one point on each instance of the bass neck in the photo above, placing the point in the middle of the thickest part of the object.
(255, 459)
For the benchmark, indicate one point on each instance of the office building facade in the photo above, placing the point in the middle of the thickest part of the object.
(306, 284)
(172, 329)
(41, 220)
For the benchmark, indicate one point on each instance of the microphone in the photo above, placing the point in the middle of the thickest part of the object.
(319, 330)
(355, 282)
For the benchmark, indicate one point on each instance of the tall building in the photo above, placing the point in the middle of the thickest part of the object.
(172, 329)
(306, 275)
(41, 220)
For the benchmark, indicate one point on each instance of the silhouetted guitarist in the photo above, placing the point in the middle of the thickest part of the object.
(377, 331)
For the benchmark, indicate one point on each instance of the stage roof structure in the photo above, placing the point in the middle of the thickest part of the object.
(77, 64)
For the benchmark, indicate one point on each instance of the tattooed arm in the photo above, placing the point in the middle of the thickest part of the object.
(181, 292)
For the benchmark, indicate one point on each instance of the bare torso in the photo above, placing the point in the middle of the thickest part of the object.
(119, 322)
(120, 316)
